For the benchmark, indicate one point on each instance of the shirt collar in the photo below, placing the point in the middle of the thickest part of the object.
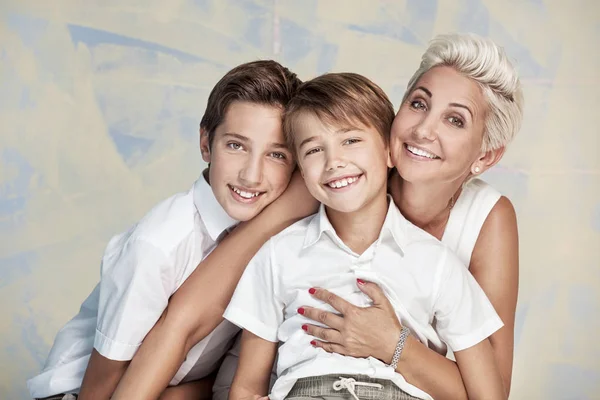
(394, 223)
(213, 215)
(317, 225)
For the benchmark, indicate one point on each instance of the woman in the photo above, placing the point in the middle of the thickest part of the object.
(462, 107)
(460, 110)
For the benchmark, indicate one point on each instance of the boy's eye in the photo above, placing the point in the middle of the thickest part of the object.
(351, 141)
(417, 105)
(234, 145)
(456, 122)
(279, 156)
(313, 151)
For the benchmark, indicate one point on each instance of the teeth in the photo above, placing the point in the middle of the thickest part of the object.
(420, 152)
(342, 182)
(244, 194)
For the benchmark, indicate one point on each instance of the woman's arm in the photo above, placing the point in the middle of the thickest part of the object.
(374, 332)
(495, 266)
(370, 331)
(254, 370)
(198, 306)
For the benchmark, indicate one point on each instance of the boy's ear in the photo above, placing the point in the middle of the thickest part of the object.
(487, 160)
(204, 145)
(390, 164)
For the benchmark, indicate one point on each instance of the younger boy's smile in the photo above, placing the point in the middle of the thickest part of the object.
(344, 167)
(342, 183)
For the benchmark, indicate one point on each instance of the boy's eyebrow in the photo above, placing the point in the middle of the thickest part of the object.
(308, 139)
(237, 136)
(341, 130)
(279, 145)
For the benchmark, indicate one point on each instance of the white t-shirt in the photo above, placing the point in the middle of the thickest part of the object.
(141, 269)
(420, 276)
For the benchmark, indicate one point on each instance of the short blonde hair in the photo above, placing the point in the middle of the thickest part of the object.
(486, 63)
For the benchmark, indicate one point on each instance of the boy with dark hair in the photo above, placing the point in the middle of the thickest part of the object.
(249, 166)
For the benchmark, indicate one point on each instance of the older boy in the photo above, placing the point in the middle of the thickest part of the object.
(249, 166)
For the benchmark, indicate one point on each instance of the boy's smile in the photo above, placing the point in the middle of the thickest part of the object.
(344, 169)
(244, 195)
(250, 164)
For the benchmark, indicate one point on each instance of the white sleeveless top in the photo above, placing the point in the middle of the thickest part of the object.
(467, 217)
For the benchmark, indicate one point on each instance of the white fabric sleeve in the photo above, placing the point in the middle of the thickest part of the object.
(256, 305)
(135, 287)
(464, 314)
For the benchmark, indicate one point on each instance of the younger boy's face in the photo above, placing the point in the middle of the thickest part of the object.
(343, 169)
(250, 164)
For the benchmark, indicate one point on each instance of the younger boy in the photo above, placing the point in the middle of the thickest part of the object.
(249, 166)
(338, 126)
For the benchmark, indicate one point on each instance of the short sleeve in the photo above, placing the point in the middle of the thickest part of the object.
(135, 287)
(256, 305)
(463, 312)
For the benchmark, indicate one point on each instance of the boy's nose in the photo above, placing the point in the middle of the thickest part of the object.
(251, 174)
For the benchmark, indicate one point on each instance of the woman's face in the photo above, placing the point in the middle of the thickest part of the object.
(438, 132)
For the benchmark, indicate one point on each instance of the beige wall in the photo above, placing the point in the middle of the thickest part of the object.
(99, 108)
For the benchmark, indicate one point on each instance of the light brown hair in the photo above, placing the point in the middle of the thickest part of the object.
(343, 99)
(264, 82)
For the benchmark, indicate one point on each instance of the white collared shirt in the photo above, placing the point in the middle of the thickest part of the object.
(421, 277)
(141, 269)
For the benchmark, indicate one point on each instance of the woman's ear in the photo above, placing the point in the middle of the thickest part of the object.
(487, 160)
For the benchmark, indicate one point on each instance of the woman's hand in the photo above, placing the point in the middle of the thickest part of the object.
(358, 332)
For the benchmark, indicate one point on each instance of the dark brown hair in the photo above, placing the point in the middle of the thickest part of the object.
(264, 82)
(341, 99)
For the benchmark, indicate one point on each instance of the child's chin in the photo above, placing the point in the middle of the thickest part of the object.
(243, 214)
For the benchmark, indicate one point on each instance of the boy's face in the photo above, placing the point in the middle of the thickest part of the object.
(343, 169)
(250, 164)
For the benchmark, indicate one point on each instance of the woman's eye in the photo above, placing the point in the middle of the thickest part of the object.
(417, 105)
(234, 145)
(456, 121)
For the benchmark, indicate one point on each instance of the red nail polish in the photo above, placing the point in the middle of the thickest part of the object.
(312, 290)
(360, 281)
(313, 342)
(305, 327)
(301, 311)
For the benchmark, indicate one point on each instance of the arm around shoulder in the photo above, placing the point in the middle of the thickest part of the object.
(198, 305)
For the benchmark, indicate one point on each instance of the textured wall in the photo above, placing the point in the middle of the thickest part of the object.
(99, 109)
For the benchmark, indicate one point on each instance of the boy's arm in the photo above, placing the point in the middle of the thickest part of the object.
(134, 289)
(102, 376)
(480, 372)
(197, 307)
(254, 369)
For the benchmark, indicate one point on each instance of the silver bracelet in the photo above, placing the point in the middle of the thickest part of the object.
(399, 347)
